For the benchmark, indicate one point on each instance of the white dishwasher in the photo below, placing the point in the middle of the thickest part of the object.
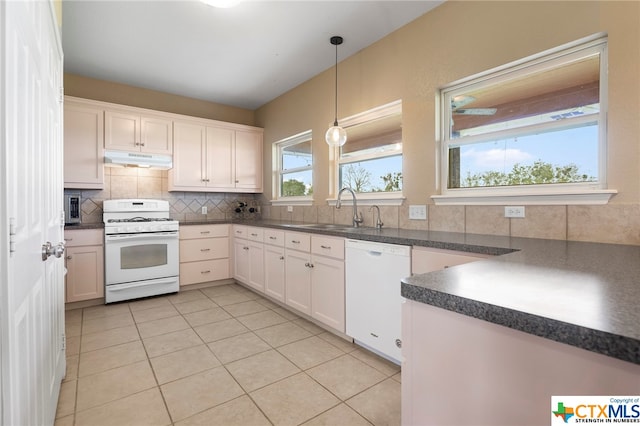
(373, 300)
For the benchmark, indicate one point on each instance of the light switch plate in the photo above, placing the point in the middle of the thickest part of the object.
(289, 209)
(514, 211)
(418, 212)
(204, 209)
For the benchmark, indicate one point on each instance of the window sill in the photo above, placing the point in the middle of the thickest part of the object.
(293, 201)
(369, 199)
(586, 197)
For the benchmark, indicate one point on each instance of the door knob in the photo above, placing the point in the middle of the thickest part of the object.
(399, 343)
(49, 249)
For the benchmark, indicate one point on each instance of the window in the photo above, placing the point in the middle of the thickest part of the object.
(293, 167)
(535, 126)
(371, 159)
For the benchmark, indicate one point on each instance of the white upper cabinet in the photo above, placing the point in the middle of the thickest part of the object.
(248, 161)
(83, 141)
(210, 157)
(129, 131)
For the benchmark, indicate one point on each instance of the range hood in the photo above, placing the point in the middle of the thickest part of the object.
(137, 159)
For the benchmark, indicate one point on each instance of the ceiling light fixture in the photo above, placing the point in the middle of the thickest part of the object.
(336, 135)
(221, 3)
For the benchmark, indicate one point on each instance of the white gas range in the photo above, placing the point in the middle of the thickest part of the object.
(141, 249)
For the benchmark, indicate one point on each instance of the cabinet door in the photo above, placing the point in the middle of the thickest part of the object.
(121, 131)
(156, 135)
(274, 272)
(241, 261)
(220, 158)
(83, 146)
(85, 273)
(298, 281)
(188, 157)
(248, 161)
(327, 292)
(256, 266)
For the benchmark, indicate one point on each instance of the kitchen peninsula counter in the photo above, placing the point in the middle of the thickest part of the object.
(582, 294)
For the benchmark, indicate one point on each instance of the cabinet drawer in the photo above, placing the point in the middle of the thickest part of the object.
(84, 237)
(327, 246)
(204, 249)
(255, 234)
(203, 231)
(273, 237)
(239, 231)
(206, 270)
(297, 241)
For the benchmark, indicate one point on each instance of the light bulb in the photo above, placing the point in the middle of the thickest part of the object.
(336, 136)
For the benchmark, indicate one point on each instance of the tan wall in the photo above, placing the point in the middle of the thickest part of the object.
(456, 40)
(107, 91)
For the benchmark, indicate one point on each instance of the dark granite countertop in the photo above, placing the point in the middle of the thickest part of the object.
(78, 226)
(583, 294)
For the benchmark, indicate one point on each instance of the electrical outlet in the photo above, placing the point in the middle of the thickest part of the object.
(418, 212)
(290, 209)
(514, 211)
(204, 209)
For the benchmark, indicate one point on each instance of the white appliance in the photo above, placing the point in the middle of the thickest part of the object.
(373, 300)
(141, 249)
(137, 159)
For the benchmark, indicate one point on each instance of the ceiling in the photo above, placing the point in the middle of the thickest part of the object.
(243, 56)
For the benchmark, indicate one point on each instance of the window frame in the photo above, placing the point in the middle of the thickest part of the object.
(278, 147)
(566, 193)
(368, 198)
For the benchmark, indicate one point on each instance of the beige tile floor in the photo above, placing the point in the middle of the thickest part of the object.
(218, 356)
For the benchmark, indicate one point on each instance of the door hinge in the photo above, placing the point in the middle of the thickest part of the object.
(12, 235)
(64, 342)
(61, 99)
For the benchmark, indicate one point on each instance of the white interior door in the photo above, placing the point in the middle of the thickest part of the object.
(31, 295)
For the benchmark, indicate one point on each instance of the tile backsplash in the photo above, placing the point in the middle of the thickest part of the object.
(610, 223)
(144, 183)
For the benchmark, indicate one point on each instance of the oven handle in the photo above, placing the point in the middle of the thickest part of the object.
(144, 236)
(120, 287)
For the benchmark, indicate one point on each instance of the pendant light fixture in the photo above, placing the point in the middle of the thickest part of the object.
(336, 135)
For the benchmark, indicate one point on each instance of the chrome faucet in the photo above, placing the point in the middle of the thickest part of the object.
(379, 220)
(357, 217)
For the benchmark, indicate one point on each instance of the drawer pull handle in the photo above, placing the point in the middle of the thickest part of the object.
(69, 257)
(238, 232)
(205, 272)
(281, 257)
(205, 249)
(295, 241)
(254, 235)
(245, 248)
(326, 247)
(205, 232)
(272, 238)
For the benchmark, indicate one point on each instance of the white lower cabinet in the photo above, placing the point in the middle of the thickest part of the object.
(274, 264)
(84, 260)
(327, 291)
(314, 277)
(204, 253)
(248, 256)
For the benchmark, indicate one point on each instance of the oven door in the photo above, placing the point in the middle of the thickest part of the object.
(137, 257)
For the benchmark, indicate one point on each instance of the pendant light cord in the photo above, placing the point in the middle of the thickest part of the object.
(335, 120)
